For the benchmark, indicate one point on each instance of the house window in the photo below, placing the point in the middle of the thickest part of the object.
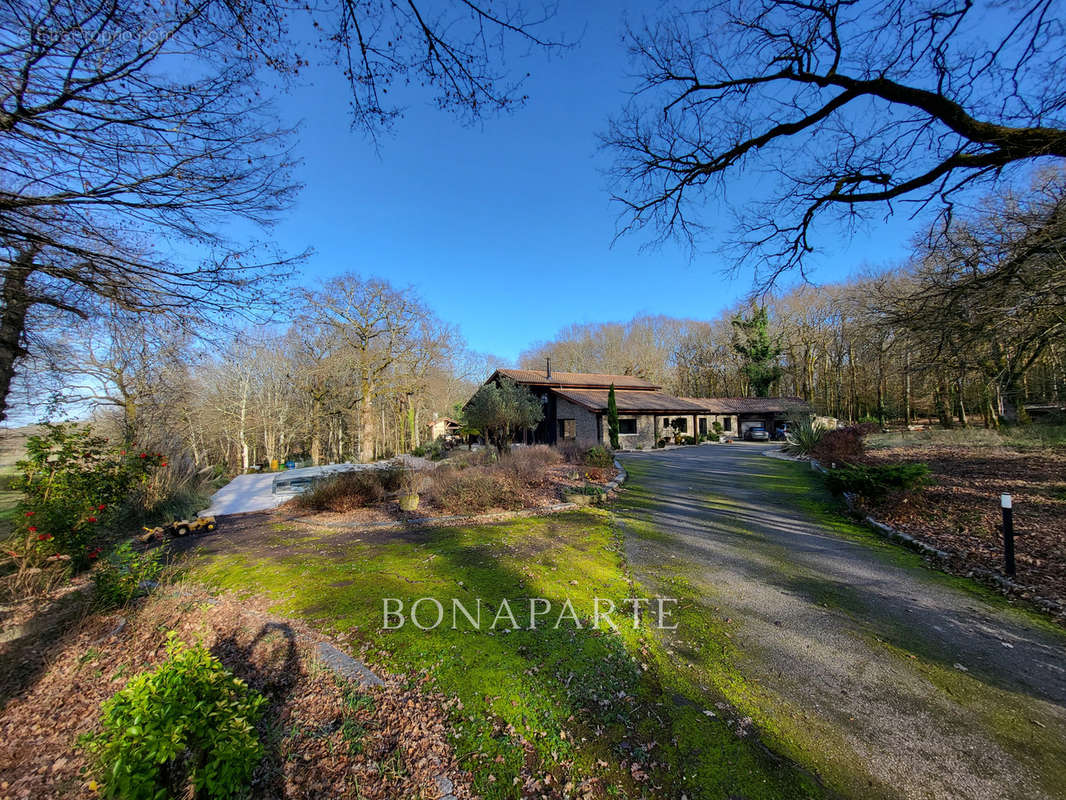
(628, 426)
(703, 426)
(727, 423)
(568, 429)
(680, 424)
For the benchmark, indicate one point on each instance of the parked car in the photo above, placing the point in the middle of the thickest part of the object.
(759, 434)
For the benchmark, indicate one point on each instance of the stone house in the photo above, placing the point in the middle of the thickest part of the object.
(575, 409)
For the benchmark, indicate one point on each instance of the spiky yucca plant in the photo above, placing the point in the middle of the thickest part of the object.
(803, 436)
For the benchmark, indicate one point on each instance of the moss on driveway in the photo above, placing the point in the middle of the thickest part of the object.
(850, 655)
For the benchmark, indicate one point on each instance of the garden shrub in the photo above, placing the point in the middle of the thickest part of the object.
(803, 436)
(473, 490)
(839, 446)
(599, 457)
(124, 575)
(530, 464)
(184, 729)
(434, 451)
(571, 451)
(343, 492)
(877, 482)
(688, 440)
(74, 484)
(347, 491)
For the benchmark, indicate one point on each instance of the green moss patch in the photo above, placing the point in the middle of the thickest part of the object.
(609, 712)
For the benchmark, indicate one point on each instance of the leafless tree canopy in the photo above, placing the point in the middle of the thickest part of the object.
(988, 294)
(134, 136)
(838, 110)
(455, 50)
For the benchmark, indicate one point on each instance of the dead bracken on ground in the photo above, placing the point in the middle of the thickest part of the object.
(961, 512)
(322, 737)
(467, 483)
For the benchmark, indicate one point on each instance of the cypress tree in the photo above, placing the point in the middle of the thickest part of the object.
(612, 419)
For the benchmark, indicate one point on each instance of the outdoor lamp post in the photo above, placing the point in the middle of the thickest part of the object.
(1007, 504)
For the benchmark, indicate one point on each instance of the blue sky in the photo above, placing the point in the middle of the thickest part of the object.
(506, 228)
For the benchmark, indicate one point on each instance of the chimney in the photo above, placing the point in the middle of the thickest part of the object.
(549, 367)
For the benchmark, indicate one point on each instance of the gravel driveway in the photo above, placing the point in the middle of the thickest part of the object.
(884, 677)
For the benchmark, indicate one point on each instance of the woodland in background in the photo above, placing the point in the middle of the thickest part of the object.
(357, 375)
(967, 333)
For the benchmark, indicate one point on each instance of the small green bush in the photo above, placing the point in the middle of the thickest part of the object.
(599, 457)
(877, 482)
(717, 427)
(589, 489)
(688, 440)
(124, 575)
(434, 451)
(185, 729)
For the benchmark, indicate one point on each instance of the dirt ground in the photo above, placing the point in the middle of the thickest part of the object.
(961, 512)
(322, 737)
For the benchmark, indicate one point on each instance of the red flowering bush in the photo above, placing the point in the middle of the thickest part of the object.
(74, 483)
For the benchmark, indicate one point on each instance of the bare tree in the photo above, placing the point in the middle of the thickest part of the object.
(989, 294)
(842, 107)
(454, 49)
(381, 334)
(131, 131)
(134, 133)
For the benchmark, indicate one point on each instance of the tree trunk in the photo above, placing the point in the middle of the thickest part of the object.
(941, 403)
(13, 321)
(908, 415)
(366, 425)
(316, 432)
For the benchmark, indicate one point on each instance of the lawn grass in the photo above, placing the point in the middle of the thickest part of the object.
(619, 709)
(1035, 436)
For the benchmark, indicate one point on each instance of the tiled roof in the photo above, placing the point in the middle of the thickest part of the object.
(630, 402)
(747, 405)
(539, 377)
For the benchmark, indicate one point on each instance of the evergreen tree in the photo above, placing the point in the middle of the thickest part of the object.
(612, 418)
(752, 342)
